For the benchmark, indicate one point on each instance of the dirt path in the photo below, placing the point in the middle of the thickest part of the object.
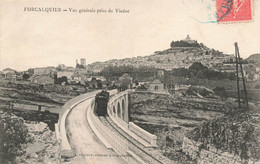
(88, 148)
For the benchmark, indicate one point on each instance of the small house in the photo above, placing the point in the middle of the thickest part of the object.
(8, 70)
(156, 86)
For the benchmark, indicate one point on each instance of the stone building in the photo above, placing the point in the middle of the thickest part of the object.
(65, 73)
(42, 80)
(8, 70)
(156, 86)
(83, 62)
(9, 74)
(43, 71)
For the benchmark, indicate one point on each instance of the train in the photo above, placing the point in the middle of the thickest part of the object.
(101, 100)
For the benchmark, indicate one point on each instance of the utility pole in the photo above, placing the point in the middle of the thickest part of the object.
(238, 91)
(238, 60)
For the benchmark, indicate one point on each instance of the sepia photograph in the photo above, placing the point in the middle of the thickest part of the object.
(130, 82)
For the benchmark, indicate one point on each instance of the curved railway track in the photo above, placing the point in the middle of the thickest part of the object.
(133, 145)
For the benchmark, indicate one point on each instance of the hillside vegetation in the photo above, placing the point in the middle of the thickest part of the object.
(255, 58)
(237, 134)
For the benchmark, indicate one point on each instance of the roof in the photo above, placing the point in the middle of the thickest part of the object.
(50, 67)
(8, 69)
(39, 77)
(66, 71)
(156, 81)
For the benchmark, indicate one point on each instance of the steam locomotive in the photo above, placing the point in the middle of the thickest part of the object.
(101, 100)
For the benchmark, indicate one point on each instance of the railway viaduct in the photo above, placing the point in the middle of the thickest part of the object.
(118, 112)
(118, 105)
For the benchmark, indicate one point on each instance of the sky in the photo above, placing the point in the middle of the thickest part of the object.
(39, 39)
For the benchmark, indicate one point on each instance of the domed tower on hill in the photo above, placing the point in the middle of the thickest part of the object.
(189, 40)
(188, 37)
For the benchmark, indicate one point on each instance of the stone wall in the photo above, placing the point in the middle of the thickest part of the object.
(210, 154)
(150, 138)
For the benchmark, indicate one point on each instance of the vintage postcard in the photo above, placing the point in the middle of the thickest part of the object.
(140, 81)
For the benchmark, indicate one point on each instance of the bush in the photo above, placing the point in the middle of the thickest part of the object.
(13, 134)
(257, 86)
(193, 90)
(220, 91)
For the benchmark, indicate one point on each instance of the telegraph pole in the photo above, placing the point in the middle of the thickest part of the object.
(238, 59)
(238, 91)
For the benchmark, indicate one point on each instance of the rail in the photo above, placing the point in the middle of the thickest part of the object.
(109, 138)
(112, 139)
(135, 150)
(143, 134)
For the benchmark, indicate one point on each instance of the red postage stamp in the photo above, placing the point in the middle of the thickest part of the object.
(234, 10)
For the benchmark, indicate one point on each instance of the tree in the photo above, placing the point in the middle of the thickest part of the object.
(31, 71)
(181, 72)
(220, 91)
(197, 66)
(112, 73)
(125, 82)
(26, 76)
(250, 76)
(61, 80)
(13, 135)
(136, 82)
(79, 66)
(183, 44)
(200, 74)
(99, 84)
(93, 79)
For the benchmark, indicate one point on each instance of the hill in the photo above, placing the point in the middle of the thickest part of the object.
(181, 54)
(255, 58)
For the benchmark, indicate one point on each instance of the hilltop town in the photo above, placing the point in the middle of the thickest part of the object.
(181, 54)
